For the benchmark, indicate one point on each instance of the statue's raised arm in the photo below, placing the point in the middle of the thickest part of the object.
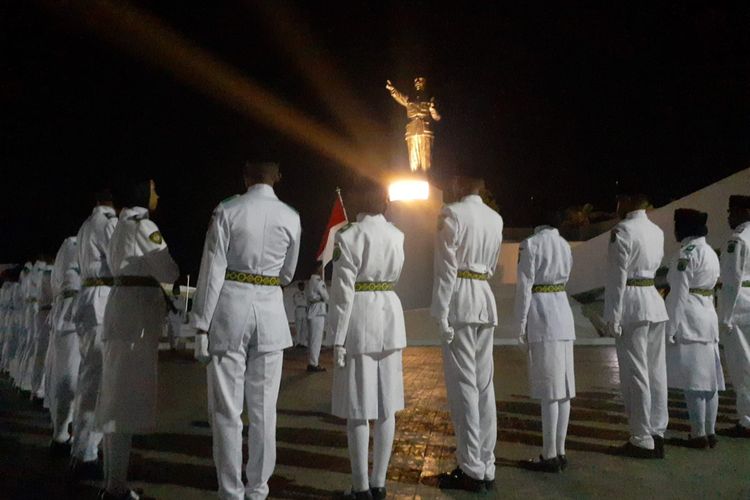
(397, 96)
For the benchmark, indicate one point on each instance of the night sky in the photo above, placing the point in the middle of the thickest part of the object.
(555, 106)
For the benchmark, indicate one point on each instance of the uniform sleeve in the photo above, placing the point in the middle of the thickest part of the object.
(617, 275)
(524, 282)
(496, 256)
(445, 265)
(733, 261)
(345, 271)
(679, 285)
(323, 291)
(212, 271)
(292, 254)
(159, 262)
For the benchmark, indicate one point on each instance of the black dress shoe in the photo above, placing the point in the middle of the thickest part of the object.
(712, 440)
(631, 450)
(563, 461)
(378, 493)
(489, 484)
(357, 495)
(658, 446)
(80, 470)
(542, 464)
(315, 369)
(738, 431)
(58, 449)
(697, 443)
(458, 480)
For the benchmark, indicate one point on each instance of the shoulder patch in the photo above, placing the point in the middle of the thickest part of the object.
(682, 264)
(731, 246)
(613, 235)
(156, 237)
(229, 198)
(336, 252)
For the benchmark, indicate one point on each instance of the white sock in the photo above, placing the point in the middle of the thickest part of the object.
(117, 454)
(696, 405)
(563, 417)
(549, 428)
(358, 435)
(712, 410)
(382, 445)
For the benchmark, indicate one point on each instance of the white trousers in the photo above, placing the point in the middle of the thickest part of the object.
(469, 370)
(358, 437)
(737, 352)
(643, 381)
(254, 376)
(300, 325)
(315, 340)
(85, 439)
(555, 418)
(65, 358)
(703, 407)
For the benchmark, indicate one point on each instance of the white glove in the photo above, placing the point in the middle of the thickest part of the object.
(201, 348)
(446, 330)
(725, 328)
(523, 341)
(672, 339)
(614, 330)
(339, 356)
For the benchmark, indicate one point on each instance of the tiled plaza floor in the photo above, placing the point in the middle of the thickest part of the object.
(312, 454)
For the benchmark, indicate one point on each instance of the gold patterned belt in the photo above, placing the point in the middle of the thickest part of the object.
(746, 284)
(69, 293)
(471, 275)
(704, 292)
(556, 288)
(252, 279)
(147, 281)
(89, 282)
(640, 282)
(374, 286)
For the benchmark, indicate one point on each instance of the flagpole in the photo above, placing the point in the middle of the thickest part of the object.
(338, 192)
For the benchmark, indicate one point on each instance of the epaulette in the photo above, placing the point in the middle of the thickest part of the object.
(689, 248)
(229, 198)
(346, 227)
(110, 215)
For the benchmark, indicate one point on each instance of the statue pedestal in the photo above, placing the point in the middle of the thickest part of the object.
(418, 221)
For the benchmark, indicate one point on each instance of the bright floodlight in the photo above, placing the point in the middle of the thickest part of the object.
(408, 190)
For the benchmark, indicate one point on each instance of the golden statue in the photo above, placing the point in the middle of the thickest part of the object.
(420, 111)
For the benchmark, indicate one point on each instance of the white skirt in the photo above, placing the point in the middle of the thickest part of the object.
(369, 387)
(694, 366)
(127, 400)
(551, 372)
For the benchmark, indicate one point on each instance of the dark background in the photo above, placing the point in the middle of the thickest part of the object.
(558, 107)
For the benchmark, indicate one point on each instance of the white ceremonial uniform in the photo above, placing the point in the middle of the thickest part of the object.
(42, 330)
(300, 317)
(317, 305)
(693, 362)
(133, 321)
(734, 312)
(368, 321)
(19, 311)
(6, 324)
(466, 254)
(30, 324)
(96, 281)
(251, 248)
(635, 253)
(64, 354)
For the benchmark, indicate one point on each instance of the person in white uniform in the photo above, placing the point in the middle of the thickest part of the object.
(30, 321)
(734, 309)
(251, 250)
(96, 281)
(466, 254)
(693, 362)
(133, 322)
(19, 313)
(300, 315)
(317, 308)
(42, 331)
(545, 323)
(367, 321)
(12, 287)
(636, 316)
(64, 354)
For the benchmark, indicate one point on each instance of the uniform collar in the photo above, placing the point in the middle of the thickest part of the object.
(695, 240)
(543, 227)
(472, 198)
(362, 217)
(262, 190)
(103, 209)
(636, 214)
(138, 213)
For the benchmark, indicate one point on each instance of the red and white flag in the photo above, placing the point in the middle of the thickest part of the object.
(336, 221)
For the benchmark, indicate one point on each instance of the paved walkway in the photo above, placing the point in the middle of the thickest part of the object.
(312, 455)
